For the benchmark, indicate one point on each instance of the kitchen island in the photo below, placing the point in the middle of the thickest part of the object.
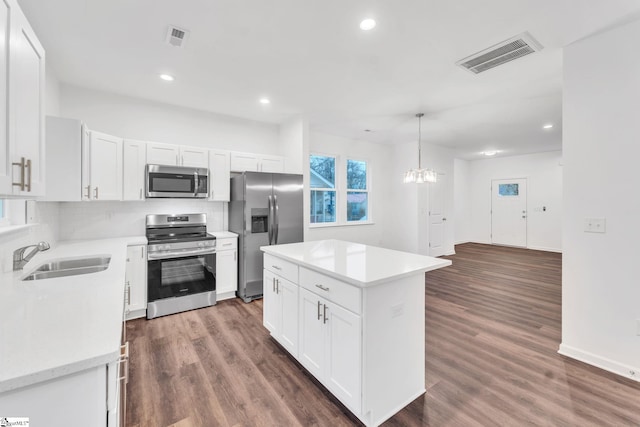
(353, 316)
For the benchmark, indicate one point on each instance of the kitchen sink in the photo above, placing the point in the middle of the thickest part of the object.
(69, 267)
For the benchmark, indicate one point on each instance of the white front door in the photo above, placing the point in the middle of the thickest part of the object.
(509, 212)
(437, 218)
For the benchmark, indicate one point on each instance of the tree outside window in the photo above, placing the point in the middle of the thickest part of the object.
(323, 189)
(357, 191)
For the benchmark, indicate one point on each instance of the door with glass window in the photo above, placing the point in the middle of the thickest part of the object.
(509, 212)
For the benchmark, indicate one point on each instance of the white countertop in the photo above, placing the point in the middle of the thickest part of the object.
(355, 263)
(223, 234)
(55, 327)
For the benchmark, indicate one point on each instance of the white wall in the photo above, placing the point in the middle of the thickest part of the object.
(377, 156)
(544, 189)
(293, 136)
(408, 207)
(153, 121)
(601, 124)
(461, 201)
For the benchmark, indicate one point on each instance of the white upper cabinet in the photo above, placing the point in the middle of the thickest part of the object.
(22, 166)
(250, 162)
(163, 154)
(196, 157)
(133, 163)
(177, 155)
(271, 164)
(5, 152)
(102, 167)
(219, 175)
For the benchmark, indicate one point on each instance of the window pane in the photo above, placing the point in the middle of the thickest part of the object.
(508, 189)
(323, 206)
(357, 209)
(1, 210)
(356, 175)
(322, 172)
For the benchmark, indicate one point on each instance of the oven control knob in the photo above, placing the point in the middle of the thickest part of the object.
(200, 244)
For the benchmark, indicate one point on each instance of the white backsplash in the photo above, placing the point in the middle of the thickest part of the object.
(46, 229)
(97, 220)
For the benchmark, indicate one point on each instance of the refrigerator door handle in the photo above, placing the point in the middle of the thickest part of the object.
(269, 220)
(276, 221)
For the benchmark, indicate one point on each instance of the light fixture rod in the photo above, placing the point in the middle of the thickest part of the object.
(419, 116)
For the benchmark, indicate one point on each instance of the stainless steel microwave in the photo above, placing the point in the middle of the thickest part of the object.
(177, 182)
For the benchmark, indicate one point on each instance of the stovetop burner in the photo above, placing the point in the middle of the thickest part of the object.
(177, 228)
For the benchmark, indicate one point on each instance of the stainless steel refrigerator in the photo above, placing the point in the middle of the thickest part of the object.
(265, 209)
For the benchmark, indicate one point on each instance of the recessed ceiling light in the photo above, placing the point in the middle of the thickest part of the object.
(547, 126)
(367, 24)
(490, 152)
(167, 77)
(265, 101)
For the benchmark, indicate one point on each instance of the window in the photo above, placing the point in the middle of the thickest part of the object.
(508, 189)
(357, 191)
(339, 191)
(322, 176)
(3, 218)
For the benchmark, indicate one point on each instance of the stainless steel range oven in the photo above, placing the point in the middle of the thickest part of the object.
(181, 264)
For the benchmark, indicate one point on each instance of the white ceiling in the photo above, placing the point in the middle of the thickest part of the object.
(310, 58)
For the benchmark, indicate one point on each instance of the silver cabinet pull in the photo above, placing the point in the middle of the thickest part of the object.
(28, 166)
(88, 192)
(128, 293)
(227, 244)
(95, 191)
(21, 164)
(182, 160)
(274, 284)
(276, 267)
(319, 314)
(444, 219)
(325, 314)
(235, 254)
(324, 288)
(140, 197)
(277, 286)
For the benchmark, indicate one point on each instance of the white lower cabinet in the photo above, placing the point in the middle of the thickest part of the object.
(136, 282)
(226, 268)
(281, 310)
(330, 347)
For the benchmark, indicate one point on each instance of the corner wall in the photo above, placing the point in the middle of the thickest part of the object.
(601, 273)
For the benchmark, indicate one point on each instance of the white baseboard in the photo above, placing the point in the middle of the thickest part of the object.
(626, 371)
(462, 242)
(542, 248)
(225, 295)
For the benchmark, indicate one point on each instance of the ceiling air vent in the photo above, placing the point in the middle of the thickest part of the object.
(501, 53)
(177, 37)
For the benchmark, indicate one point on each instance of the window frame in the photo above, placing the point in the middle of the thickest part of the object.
(341, 191)
(335, 190)
(355, 190)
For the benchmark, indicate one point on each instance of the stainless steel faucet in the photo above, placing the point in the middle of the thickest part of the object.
(19, 259)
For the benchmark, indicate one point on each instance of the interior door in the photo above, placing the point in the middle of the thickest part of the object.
(509, 212)
(437, 218)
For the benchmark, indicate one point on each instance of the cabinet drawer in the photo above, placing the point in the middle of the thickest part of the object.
(226, 244)
(334, 290)
(282, 268)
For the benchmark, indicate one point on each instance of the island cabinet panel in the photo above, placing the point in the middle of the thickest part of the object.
(330, 347)
(361, 331)
(281, 310)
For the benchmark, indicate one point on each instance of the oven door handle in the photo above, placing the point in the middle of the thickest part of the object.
(179, 254)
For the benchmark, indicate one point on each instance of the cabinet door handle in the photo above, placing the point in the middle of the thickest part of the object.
(274, 284)
(28, 166)
(95, 190)
(277, 286)
(124, 358)
(21, 164)
(276, 267)
(325, 314)
(319, 314)
(235, 254)
(128, 293)
(140, 194)
(142, 252)
(88, 192)
(227, 244)
(324, 288)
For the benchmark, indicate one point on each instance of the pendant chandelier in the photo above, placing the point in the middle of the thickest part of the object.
(420, 175)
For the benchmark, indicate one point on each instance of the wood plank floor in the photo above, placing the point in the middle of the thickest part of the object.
(493, 330)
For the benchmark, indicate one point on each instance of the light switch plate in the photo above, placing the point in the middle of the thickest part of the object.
(595, 225)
